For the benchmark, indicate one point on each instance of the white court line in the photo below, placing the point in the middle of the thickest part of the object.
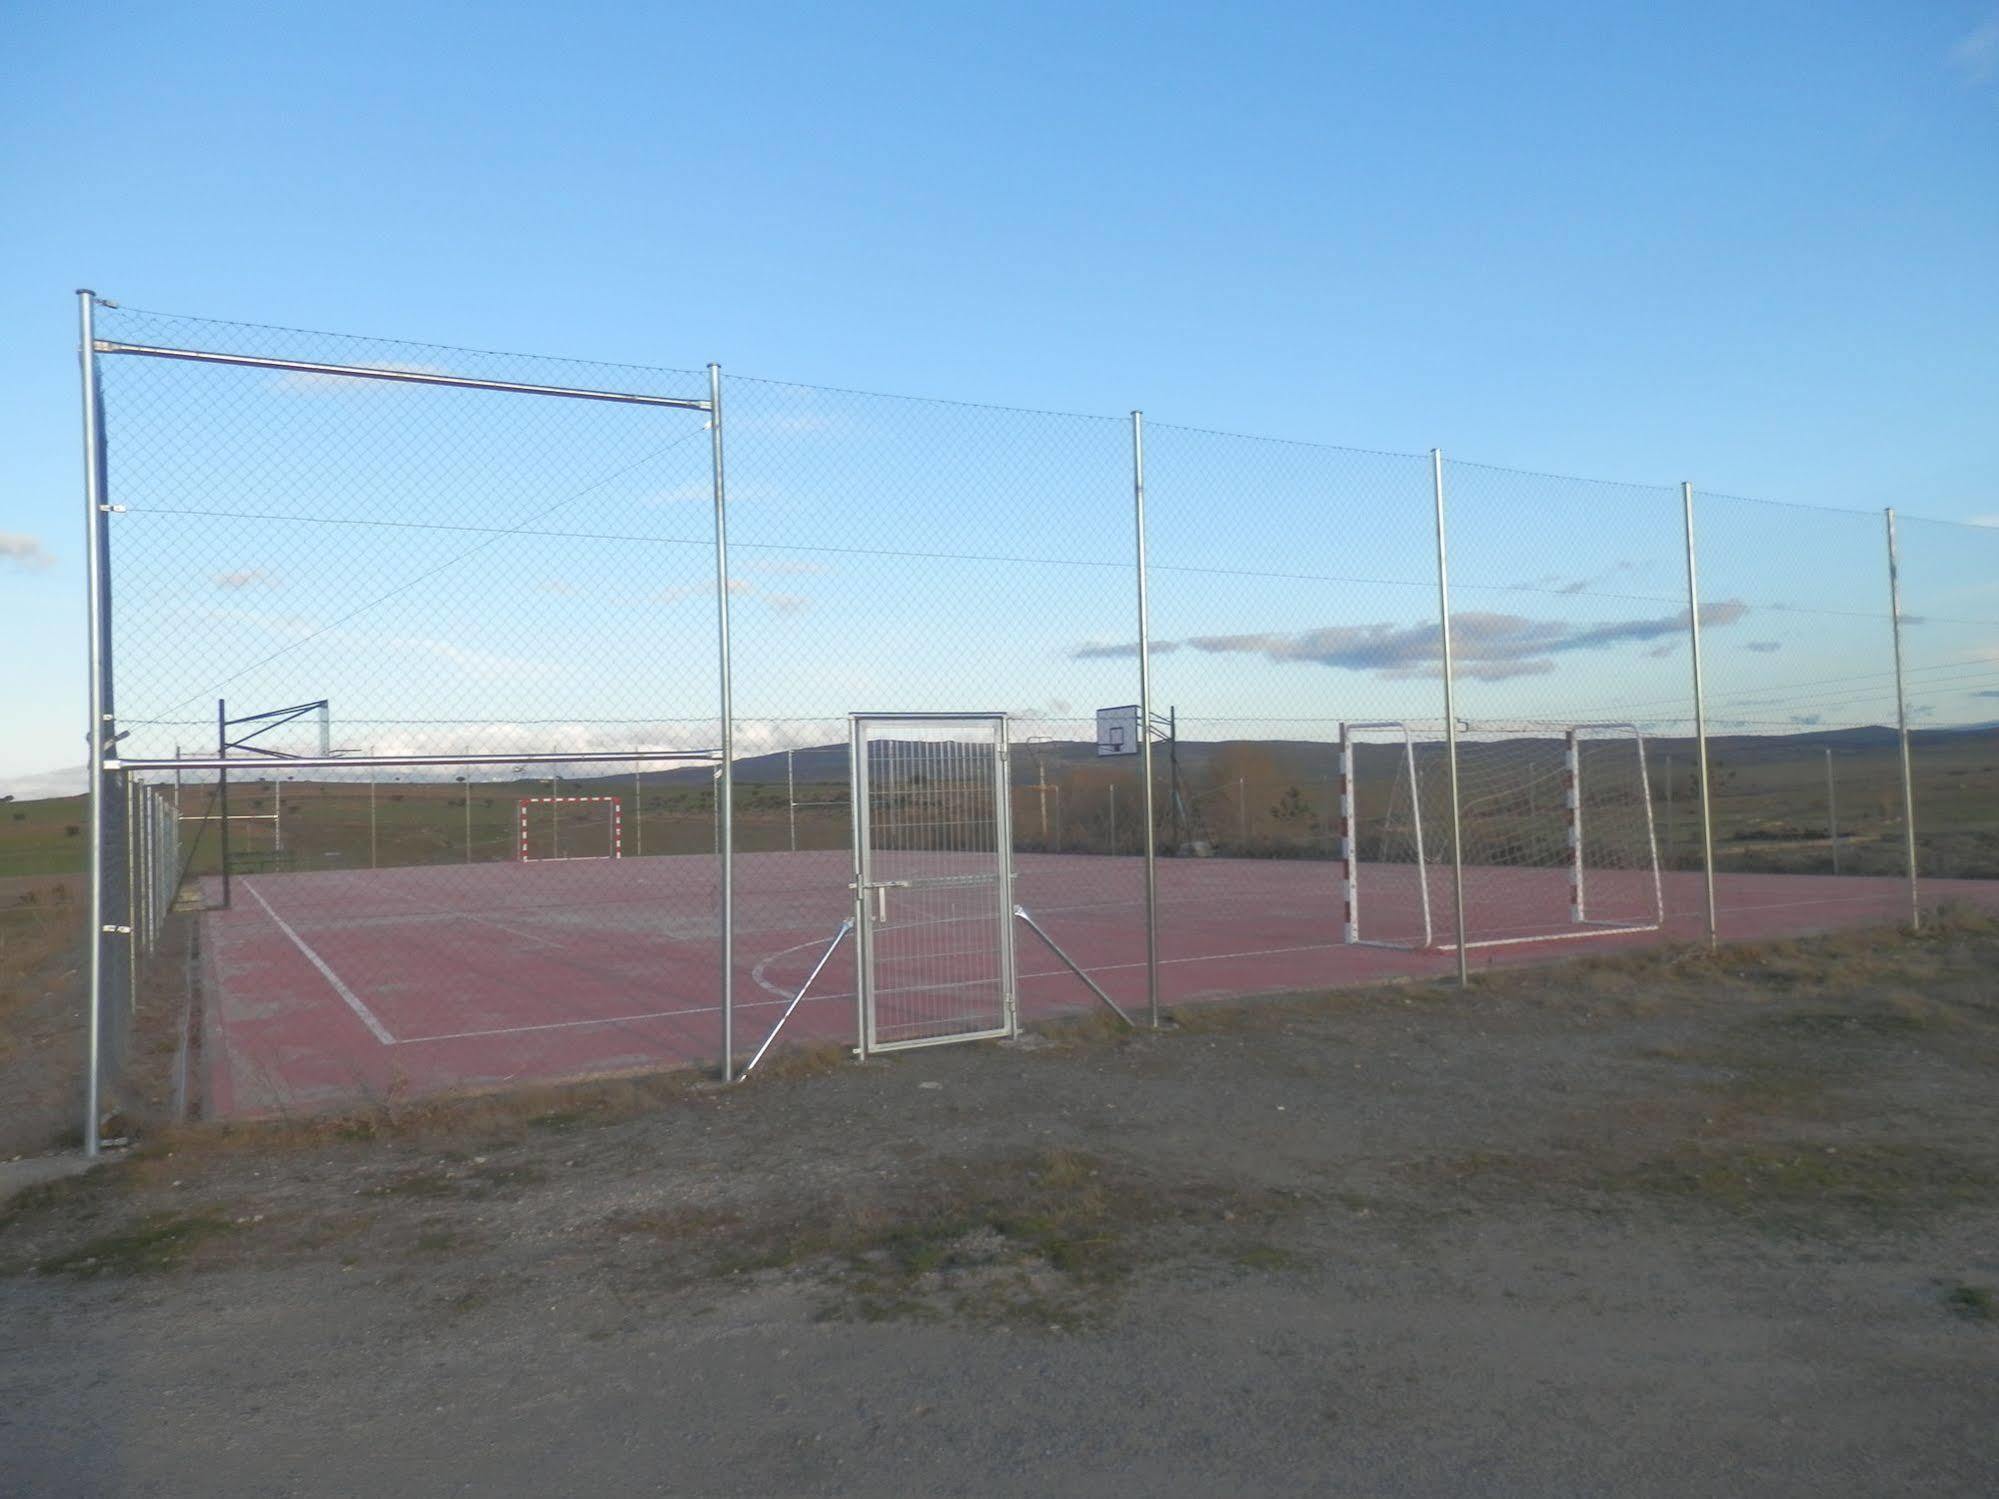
(563, 1025)
(784, 996)
(353, 1000)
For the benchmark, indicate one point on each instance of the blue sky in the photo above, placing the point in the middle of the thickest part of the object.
(1750, 246)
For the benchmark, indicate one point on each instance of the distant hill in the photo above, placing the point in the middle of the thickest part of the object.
(43, 784)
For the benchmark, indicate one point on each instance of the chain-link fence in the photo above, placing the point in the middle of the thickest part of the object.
(469, 720)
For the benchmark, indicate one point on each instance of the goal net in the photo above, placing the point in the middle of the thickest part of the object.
(1557, 823)
(571, 827)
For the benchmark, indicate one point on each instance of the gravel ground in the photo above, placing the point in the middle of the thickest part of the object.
(1667, 1224)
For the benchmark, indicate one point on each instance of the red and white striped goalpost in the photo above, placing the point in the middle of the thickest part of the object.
(617, 814)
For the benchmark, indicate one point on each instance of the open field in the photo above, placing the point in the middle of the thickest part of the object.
(1258, 799)
(41, 1031)
(1655, 1223)
(47, 837)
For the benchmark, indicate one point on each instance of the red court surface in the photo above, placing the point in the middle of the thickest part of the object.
(345, 988)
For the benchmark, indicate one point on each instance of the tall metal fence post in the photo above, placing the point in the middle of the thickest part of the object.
(1902, 723)
(1700, 712)
(1146, 815)
(1450, 710)
(222, 796)
(96, 589)
(725, 786)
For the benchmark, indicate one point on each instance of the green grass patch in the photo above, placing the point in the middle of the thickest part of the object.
(1972, 1303)
(162, 1241)
(1044, 1237)
(1884, 1183)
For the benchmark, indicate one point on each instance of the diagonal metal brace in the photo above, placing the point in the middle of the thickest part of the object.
(825, 957)
(1069, 963)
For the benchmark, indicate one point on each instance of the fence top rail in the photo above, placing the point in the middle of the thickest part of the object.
(368, 762)
(404, 377)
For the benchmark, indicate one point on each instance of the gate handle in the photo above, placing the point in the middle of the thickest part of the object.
(881, 889)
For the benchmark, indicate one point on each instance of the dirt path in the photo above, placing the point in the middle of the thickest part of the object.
(1665, 1224)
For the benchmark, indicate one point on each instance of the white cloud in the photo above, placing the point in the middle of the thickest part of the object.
(1489, 647)
(1976, 53)
(681, 593)
(247, 577)
(72, 781)
(24, 551)
(785, 567)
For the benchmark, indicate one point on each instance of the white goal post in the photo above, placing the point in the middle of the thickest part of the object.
(594, 823)
(1557, 824)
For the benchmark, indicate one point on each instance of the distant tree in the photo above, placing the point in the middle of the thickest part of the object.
(1292, 810)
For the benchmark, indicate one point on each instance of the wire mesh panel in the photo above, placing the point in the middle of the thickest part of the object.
(401, 944)
(427, 559)
(1950, 651)
(1804, 749)
(933, 880)
(1293, 588)
(1573, 686)
(919, 553)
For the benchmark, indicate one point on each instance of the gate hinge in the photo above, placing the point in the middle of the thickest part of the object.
(112, 509)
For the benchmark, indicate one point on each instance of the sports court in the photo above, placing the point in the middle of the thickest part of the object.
(343, 988)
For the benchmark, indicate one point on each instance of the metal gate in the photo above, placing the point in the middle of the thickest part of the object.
(933, 879)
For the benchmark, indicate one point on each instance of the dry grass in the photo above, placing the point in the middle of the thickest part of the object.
(37, 925)
(1045, 1236)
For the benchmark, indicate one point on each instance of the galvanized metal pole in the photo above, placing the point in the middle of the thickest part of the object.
(1450, 709)
(1902, 724)
(133, 920)
(371, 820)
(222, 793)
(791, 800)
(99, 729)
(638, 815)
(1147, 818)
(1700, 713)
(725, 793)
(1113, 789)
